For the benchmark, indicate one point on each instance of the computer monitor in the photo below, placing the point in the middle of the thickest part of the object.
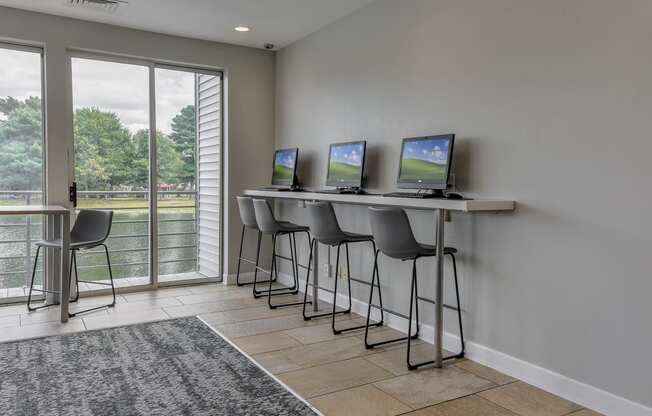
(346, 164)
(425, 162)
(285, 167)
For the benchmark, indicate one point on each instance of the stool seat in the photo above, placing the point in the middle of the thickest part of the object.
(289, 227)
(74, 245)
(422, 250)
(344, 237)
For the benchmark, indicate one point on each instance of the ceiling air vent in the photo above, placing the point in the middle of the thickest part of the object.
(101, 5)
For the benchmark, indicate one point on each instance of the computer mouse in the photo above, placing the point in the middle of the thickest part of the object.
(453, 195)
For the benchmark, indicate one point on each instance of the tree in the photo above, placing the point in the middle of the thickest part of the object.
(104, 151)
(169, 164)
(21, 141)
(183, 138)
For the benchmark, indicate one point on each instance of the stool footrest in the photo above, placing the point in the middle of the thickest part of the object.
(285, 305)
(94, 283)
(389, 341)
(323, 315)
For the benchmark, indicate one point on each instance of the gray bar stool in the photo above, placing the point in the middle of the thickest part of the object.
(91, 229)
(393, 234)
(325, 229)
(267, 224)
(248, 218)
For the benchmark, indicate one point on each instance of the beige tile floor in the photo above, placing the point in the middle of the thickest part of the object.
(334, 373)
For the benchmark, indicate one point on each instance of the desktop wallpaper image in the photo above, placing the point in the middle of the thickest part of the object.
(346, 162)
(284, 164)
(424, 160)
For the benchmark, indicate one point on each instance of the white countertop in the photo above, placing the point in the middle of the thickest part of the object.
(466, 205)
(32, 209)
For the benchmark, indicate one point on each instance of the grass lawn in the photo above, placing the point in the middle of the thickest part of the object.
(415, 169)
(343, 171)
(282, 172)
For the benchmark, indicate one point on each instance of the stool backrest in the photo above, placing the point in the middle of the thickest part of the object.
(92, 226)
(322, 221)
(392, 232)
(247, 213)
(265, 217)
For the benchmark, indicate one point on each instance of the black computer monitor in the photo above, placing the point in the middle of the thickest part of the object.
(284, 169)
(425, 162)
(346, 164)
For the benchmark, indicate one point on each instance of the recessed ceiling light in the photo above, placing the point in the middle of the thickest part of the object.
(242, 29)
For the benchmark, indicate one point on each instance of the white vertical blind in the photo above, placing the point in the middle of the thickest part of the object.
(209, 139)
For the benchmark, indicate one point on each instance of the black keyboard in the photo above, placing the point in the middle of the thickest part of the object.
(340, 192)
(421, 195)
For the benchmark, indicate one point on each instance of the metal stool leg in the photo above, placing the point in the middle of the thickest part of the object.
(74, 262)
(241, 259)
(376, 275)
(414, 297)
(288, 291)
(348, 270)
(237, 274)
(110, 305)
(459, 307)
(31, 285)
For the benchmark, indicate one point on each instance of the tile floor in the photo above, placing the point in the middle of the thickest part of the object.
(334, 373)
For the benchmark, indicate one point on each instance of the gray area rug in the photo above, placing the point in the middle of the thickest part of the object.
(176, 367)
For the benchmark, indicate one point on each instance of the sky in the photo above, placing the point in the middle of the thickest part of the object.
(431, 150)
(116, 87)
(350, 153)
(286, 158)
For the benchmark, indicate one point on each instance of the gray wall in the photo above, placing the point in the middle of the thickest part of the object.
(249, 95)
(550, 101)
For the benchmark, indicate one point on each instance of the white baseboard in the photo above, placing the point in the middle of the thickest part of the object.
(581, 393)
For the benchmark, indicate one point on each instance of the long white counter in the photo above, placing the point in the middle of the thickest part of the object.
(439, 206)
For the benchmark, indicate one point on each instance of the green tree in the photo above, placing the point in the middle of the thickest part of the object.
(169, 163)
(21, 141)
(184, 139)
(104, 151)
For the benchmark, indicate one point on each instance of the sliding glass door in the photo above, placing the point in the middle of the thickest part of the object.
(147, 145)
(21, 165)
(111, 133)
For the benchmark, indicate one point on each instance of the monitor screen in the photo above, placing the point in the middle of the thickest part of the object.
(425, 162)
(285, 165)
(346, 164)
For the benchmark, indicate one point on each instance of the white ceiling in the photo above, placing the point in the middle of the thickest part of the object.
(279, 22)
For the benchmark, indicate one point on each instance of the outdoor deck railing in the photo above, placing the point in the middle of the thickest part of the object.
(33, 227)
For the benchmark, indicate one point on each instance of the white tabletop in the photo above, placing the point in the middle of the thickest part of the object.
(467, 205)
(32, 209)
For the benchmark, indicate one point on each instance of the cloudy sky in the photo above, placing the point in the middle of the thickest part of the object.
(348, 153)
(430, 150)
(115, 87)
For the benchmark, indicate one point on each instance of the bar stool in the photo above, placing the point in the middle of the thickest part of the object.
(92, 228)
(248, 218)
(325, 229)
(268, 224)
(393, 234)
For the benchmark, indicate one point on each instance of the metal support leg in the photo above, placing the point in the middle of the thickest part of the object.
(65, 271)
(439, 288)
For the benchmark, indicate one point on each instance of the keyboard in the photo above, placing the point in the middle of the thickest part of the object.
(340, 192)
(421, 195)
